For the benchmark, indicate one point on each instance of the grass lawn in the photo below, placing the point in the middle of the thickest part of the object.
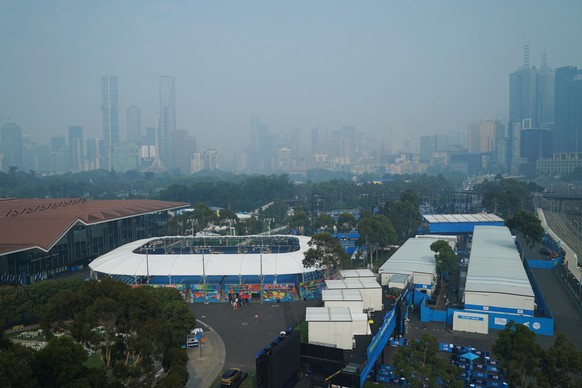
(302, 328)
(94, 361)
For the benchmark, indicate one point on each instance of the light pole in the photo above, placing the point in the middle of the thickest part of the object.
(269, 220)
(261, 255)
(192, 220)
(147, 249)
(204, 271)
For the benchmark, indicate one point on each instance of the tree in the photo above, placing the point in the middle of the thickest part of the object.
(562, 364)
(324, 222)
(346, 222)
(376, 232)
(15, 370)
(445, 256)
(528, 226)
(299, 220)
(61, 363)
(403, 214)
(420, 364)
(129, 328)
(325, 253)
(520, 354)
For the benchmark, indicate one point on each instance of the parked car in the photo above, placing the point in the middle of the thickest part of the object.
(230, 376)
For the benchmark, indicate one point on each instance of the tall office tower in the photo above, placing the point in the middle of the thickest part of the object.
(294, 141)
(262, 146)
(429, 145)
(76, 154)
(184, 147)
(109, 114)
(531, 95)
(92, 156)
(319, 141)
(545, 95)
(567, 131)
(133, 124)
(149, 138)
(45, 157)
(531, 101)
(483, 137)
(166, 119)
(59, 151)
(12, 148)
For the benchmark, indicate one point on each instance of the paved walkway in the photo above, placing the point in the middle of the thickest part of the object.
(207, 361)
(234, 337)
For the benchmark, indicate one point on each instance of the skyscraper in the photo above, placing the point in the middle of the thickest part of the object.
(531, 95)
(110, 114)
(167, 119)
(12, 149)
(76, 154)
(133, 124)
(567, 131)
(531, 103)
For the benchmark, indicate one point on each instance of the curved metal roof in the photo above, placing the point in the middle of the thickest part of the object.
(495, 266)
(124, 261)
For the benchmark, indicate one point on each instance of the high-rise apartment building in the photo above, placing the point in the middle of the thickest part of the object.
(109, 114)
(12, 148)
(76, 154)
(133, 124)
(166, 119)
(567, 133)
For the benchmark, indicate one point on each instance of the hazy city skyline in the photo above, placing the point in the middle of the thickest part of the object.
(425, 68)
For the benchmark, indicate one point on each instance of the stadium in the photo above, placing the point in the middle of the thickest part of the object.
(206, 269)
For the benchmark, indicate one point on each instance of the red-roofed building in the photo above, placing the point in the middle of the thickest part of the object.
(42, 237)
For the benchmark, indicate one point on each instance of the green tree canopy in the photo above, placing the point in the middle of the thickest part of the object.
(299, 220)
(528, 226)
(376, 231)
(324, 222)
(61, 363)
(445, 256)
(129, 328)
(520, 354)
(403, 214)
(346, 222)
(325, 253)
(420, 364)
(562, 364)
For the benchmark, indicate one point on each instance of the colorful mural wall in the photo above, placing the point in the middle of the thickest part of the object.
(311, 290)
(244, 291)
(197, 293)
(279, 292)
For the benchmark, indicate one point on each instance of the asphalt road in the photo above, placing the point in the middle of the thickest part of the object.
(234, 337)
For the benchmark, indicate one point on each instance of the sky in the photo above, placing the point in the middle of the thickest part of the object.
(422, 67)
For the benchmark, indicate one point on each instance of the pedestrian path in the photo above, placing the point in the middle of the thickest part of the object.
(206, 362)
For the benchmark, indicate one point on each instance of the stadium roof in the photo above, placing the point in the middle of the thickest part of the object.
(124, 261)
(495, 265)
(41, 223)
(413, 256)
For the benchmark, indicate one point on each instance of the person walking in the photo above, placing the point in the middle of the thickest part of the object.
(257, 317)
